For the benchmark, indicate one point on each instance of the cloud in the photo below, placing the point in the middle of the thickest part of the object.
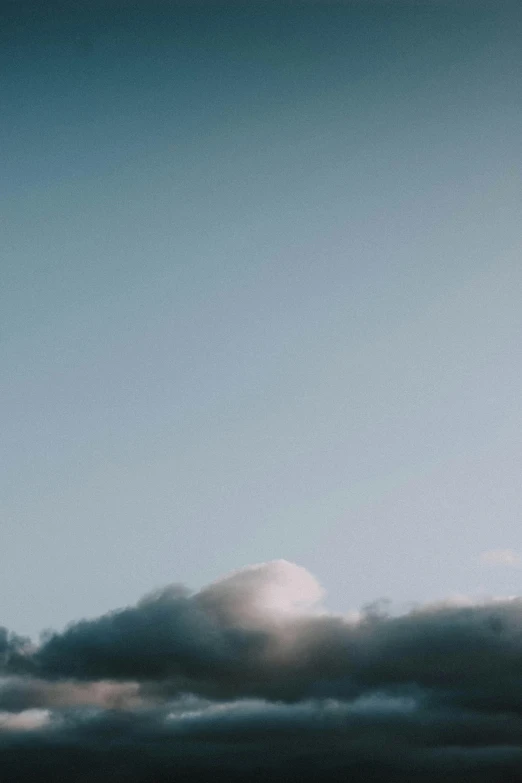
(246, 636)
(250, 678)
(25, 693)
(367, 740)
(266, 591)
(238, 636)
(501, 557)
(15, 651)
(27, 720)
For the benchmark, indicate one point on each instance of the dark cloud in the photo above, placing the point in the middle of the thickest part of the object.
(249, 635)
(259, 741)
(165, 635)
(250, 679)
(16, 652)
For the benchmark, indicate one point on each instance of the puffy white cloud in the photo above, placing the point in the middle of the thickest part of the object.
(267, 591)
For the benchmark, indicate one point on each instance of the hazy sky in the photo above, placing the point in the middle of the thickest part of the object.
(260, 298)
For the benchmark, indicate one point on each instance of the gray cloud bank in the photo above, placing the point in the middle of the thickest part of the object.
(250, 679)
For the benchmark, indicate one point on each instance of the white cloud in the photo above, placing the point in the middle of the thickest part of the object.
(265, 590)
(28, 720)
(501, 557)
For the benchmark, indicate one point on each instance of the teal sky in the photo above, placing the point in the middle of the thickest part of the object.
(260, 298)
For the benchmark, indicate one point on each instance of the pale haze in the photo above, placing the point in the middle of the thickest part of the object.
(260, 299)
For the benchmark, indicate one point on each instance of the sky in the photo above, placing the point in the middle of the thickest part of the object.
(259, 303)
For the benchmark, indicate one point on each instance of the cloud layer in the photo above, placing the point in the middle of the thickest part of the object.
(250, 679)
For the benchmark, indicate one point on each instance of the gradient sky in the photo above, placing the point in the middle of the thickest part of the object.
(260, 298)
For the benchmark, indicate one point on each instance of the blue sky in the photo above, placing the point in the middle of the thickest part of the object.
(260, 299)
